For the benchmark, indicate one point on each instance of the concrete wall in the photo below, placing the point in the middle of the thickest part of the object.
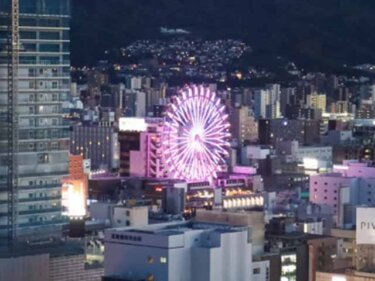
(45, 268)
(179, 254)
(71, 268)
(30, 268)
(326, 189)
(255, 220)
(132, 216)
(260, 271)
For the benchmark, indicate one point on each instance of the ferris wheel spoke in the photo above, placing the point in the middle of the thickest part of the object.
(196, 134)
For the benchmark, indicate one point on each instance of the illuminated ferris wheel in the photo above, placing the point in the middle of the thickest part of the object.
(196, 138)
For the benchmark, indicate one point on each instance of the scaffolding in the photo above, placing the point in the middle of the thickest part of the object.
(12, 117)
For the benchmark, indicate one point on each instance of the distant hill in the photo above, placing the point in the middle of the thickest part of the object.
(314, 33)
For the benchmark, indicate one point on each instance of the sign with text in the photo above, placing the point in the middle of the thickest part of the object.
(365, 231)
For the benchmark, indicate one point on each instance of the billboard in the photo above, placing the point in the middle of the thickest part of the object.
(365, 231)
(74, 195)
(132, 124)
(338, 278)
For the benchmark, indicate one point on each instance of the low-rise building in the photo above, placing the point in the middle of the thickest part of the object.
(190, 250)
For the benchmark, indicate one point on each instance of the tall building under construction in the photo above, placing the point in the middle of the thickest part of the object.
(34, 138)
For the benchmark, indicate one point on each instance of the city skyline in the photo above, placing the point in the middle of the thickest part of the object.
(213, 141)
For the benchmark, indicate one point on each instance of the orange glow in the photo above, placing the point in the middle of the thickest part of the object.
(74, 197)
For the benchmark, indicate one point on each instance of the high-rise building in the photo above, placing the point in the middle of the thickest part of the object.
(41, 148)
(244, 126)
(271, 131)
(140, 147)
(317, 101)
(97, 143)
(267, 102)
(134, 104)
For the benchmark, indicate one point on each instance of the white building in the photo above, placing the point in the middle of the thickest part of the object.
(261, 270)
(134, 103)
(298, 153)
(349, 185)
(130, 215)
(179, 251)
(145, 159)
(313, 227)
(251, 154)
(267, 102)
(119, 215)
(321, 153)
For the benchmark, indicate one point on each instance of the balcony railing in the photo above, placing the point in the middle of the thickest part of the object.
(40, 211)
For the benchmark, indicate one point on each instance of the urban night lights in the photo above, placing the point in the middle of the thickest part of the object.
(187, 140)
(196, 135)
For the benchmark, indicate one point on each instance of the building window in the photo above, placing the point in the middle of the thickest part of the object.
(163, 260)
(127, 223)
(43, 158)
(256, 270)
(150, 260)
(150, 277)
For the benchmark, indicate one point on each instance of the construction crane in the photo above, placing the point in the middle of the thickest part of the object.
(12, 117)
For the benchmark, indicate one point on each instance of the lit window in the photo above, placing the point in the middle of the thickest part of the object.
(163, 260)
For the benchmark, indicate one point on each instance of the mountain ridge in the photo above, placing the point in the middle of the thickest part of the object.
(314, 33)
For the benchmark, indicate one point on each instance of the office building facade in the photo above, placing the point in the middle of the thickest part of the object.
(97, 143)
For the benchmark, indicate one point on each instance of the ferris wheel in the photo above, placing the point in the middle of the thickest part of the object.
(196, 138)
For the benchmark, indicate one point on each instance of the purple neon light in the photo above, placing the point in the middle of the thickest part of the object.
(196, 135)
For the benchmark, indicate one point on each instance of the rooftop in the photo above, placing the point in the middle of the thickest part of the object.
(55, 248)
(178, 228)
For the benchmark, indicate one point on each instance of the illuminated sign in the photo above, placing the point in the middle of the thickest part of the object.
(310, 163)
(244, 170)
(365, 231)
(73, 195)
(132, 124)
(338, 278)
